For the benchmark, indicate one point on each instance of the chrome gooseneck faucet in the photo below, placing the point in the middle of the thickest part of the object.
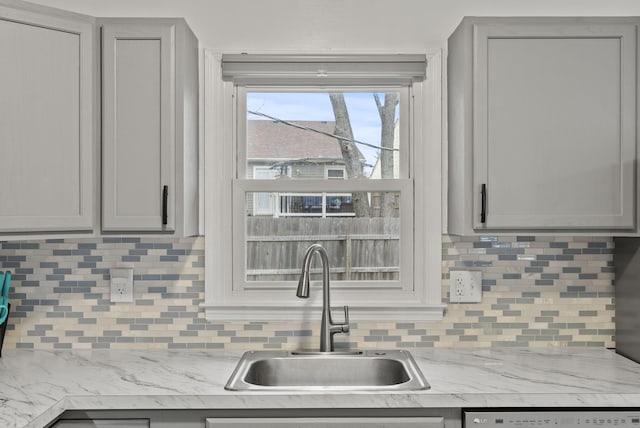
(327, 328)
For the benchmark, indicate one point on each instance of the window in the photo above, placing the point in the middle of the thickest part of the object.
(327, 149)
(335, 172)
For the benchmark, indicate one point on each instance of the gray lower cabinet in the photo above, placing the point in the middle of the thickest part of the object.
(47, 138)
(542, 125)
(149, 126)
(353, 422)
(275, 417)
(102, 423)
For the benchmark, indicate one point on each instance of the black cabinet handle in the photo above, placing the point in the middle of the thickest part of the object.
(483, 195)
(165, 198)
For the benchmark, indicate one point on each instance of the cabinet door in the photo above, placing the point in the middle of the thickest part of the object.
(354, 422)
(46, 122)
(554, 126)
(103, 423)
(138, 144)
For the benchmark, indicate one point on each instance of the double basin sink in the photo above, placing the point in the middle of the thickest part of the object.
(393, 370)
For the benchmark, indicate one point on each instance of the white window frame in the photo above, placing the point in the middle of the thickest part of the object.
(223, 301)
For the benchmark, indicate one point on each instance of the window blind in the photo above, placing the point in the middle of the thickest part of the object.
(393, 69)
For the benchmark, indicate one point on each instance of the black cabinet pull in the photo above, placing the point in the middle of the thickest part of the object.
(165, 198)
(483, 195)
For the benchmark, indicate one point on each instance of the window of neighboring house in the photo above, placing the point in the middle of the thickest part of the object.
(335, 172)
(336, 157)
(340, 204)
(278, 204)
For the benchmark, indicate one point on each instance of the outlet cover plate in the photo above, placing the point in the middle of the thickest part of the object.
(465, 286)
(121, 285)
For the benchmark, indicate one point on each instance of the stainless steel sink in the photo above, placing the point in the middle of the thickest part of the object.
(393, 370)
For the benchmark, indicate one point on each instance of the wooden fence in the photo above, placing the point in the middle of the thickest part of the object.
(358, 248)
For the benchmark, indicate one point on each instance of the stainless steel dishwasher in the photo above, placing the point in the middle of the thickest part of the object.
(578, 418)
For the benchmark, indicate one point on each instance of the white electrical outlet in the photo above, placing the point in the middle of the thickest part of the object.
(465, 286)
(121, 284)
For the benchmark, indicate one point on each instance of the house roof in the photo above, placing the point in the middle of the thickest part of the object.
(267, 139)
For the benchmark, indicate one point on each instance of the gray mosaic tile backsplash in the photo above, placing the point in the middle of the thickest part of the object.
(537, 292)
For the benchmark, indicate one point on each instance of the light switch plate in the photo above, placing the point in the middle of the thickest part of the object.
(465, 286)
(121, 284)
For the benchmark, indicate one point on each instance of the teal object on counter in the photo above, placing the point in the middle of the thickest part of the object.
(5, 283)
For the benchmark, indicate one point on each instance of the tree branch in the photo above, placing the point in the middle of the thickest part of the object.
(378, 103)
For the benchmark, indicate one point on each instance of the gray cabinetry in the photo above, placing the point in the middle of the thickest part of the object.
(102, 423)
(542, 125)
(47, 140)
(149, 126)
(274, 417)
(353, 422)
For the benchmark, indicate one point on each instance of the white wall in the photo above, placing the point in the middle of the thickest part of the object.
(335, 25)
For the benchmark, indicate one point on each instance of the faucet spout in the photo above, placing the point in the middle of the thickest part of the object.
(327, 327)
(303, 285)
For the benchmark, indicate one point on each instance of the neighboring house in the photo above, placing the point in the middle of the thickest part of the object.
(277, 150)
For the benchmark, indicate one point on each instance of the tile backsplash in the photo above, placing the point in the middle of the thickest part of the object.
(537, 292)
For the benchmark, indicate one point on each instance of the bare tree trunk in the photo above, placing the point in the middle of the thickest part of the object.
(387, 112)
(352, 161)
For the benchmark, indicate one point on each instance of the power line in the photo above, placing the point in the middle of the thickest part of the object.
(328, 134)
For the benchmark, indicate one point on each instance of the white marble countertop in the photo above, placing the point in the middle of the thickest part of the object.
(37, 386)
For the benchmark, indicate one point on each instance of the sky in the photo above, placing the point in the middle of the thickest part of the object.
(365, 121)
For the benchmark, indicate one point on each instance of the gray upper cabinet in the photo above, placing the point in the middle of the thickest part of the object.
(47, 139)
(542, 125)
(149, 126)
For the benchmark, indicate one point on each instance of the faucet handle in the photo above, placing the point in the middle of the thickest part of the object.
(345, 326)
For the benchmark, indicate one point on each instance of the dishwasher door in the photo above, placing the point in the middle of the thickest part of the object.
(578, 418)
(348, 422)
